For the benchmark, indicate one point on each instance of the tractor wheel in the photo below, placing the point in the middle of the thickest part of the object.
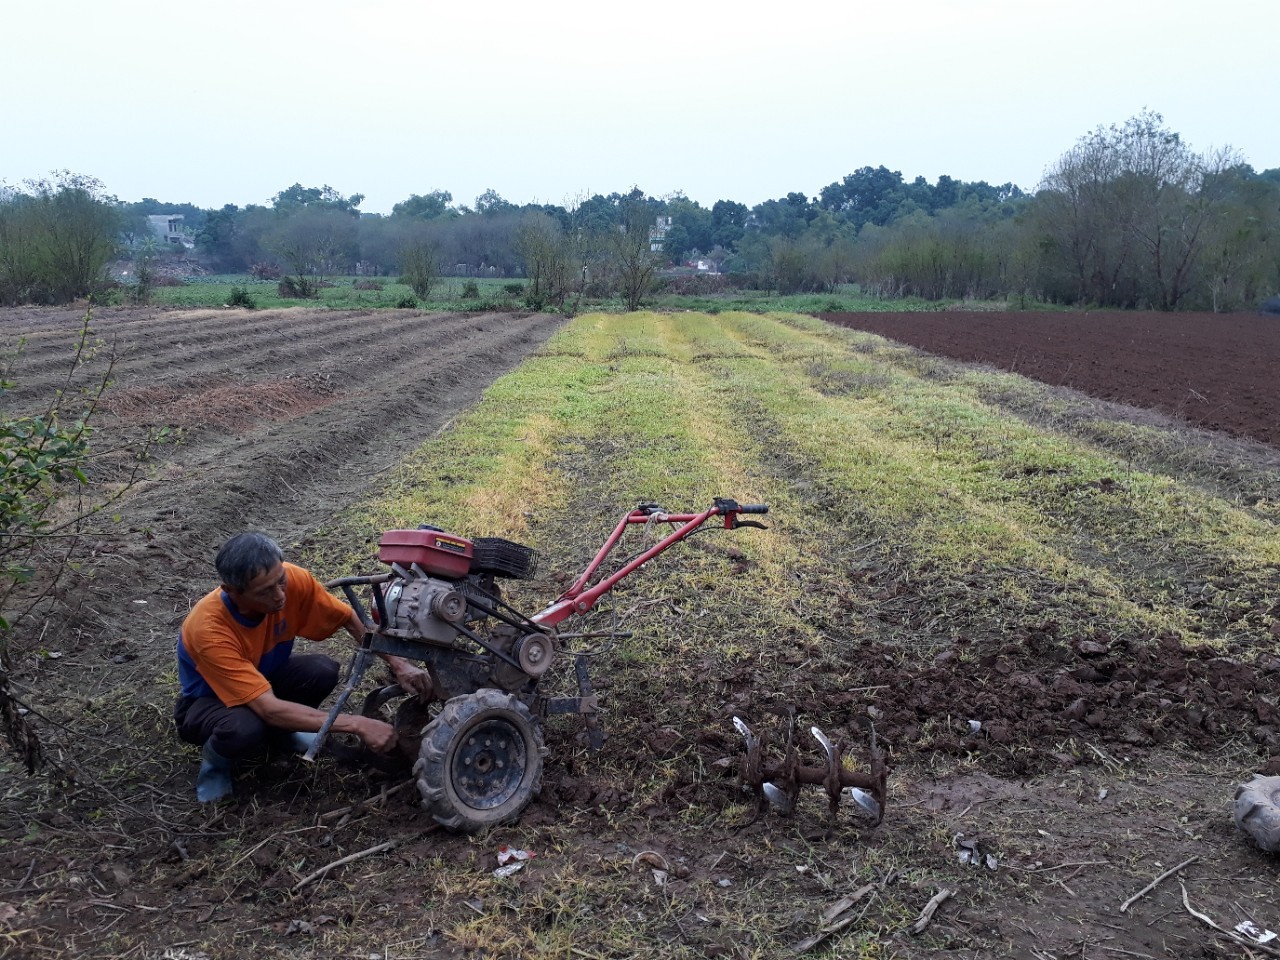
(480, 762)
(1258, 811)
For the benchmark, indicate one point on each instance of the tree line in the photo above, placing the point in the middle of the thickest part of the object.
(1130, 216)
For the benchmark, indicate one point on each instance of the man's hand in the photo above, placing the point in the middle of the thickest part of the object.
(376, 734)
(412, 679)
(287, 715)
(416, 680)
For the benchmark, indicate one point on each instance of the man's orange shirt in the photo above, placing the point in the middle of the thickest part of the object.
(229, 654)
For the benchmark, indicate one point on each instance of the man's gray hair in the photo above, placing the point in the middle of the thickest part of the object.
(245, 556)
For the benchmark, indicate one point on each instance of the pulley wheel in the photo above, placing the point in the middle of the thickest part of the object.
(534, 654)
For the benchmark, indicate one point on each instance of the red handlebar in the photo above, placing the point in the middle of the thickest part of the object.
(582, 595)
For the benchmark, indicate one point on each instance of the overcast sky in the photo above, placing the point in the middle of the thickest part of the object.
(225, 101)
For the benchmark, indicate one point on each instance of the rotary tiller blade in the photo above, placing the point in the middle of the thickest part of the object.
(865, 801)
(782, 800)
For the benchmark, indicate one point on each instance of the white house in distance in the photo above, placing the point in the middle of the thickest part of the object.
(167, 228)
(658, 233)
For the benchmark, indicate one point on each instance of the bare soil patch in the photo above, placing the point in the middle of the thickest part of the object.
(1216, 371)
(230, 406)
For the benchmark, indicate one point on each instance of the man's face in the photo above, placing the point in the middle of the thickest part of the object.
(265, 593)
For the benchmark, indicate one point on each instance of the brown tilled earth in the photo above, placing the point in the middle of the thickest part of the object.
(285, 417)
(1216, 371)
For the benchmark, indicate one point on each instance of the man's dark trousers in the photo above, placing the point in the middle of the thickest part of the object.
(236, 732)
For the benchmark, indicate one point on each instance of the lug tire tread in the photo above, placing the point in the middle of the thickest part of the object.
(438, 740)
(1257, 811)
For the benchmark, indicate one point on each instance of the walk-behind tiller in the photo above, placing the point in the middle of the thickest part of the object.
(478, 759)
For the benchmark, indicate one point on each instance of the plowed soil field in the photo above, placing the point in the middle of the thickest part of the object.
(1044, 765)
(278, 419)
(1216, 371)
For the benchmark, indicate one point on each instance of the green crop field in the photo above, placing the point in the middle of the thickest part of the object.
(507, 294)
(447, 294)
(870, 454)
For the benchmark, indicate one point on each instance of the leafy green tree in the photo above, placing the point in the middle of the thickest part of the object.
(1125, 213)
(215, 238)
(728, 223)
(945, 194)
(597, 214)
(298, 197)
(135, 229)
(556, 212)
(21, 278)
(419, 267)
(56, 239)
(490, 203)
(1239, 263)
(633, 255)
(691, 229)
(677, 245)
(868, 195)
(431, 206)
(787, 217)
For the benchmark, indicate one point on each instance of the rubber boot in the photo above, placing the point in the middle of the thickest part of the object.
(300, 742)
(213, 782)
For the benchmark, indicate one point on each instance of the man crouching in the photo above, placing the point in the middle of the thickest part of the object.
(242, 687)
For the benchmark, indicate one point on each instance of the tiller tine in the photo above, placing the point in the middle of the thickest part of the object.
(747, 735)
(780, 781)
(781, 800)
(859, 796)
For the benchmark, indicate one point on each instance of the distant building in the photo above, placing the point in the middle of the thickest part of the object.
(167, 228)
(658, 233)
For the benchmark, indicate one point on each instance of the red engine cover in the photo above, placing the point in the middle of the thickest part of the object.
(440, 554)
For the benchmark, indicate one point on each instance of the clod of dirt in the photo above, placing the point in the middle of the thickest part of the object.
(663, 742)
(998, 732)
(1265, 736)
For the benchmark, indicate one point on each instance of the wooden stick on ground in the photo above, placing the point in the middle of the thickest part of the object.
(380, 848)
(1155, 883)
(834, 919)
(930, 908)
(375, 800)
(1231, 934)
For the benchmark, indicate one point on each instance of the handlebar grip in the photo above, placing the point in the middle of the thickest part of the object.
(753, 508)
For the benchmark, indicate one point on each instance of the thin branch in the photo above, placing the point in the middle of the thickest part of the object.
(380, 848)
(1155, 883)
(1231, 934)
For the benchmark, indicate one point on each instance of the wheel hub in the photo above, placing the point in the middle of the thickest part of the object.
(488, 764)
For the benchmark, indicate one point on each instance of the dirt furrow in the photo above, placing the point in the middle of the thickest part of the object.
(228, 346)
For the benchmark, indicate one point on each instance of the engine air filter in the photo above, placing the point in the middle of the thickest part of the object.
(503, 557)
